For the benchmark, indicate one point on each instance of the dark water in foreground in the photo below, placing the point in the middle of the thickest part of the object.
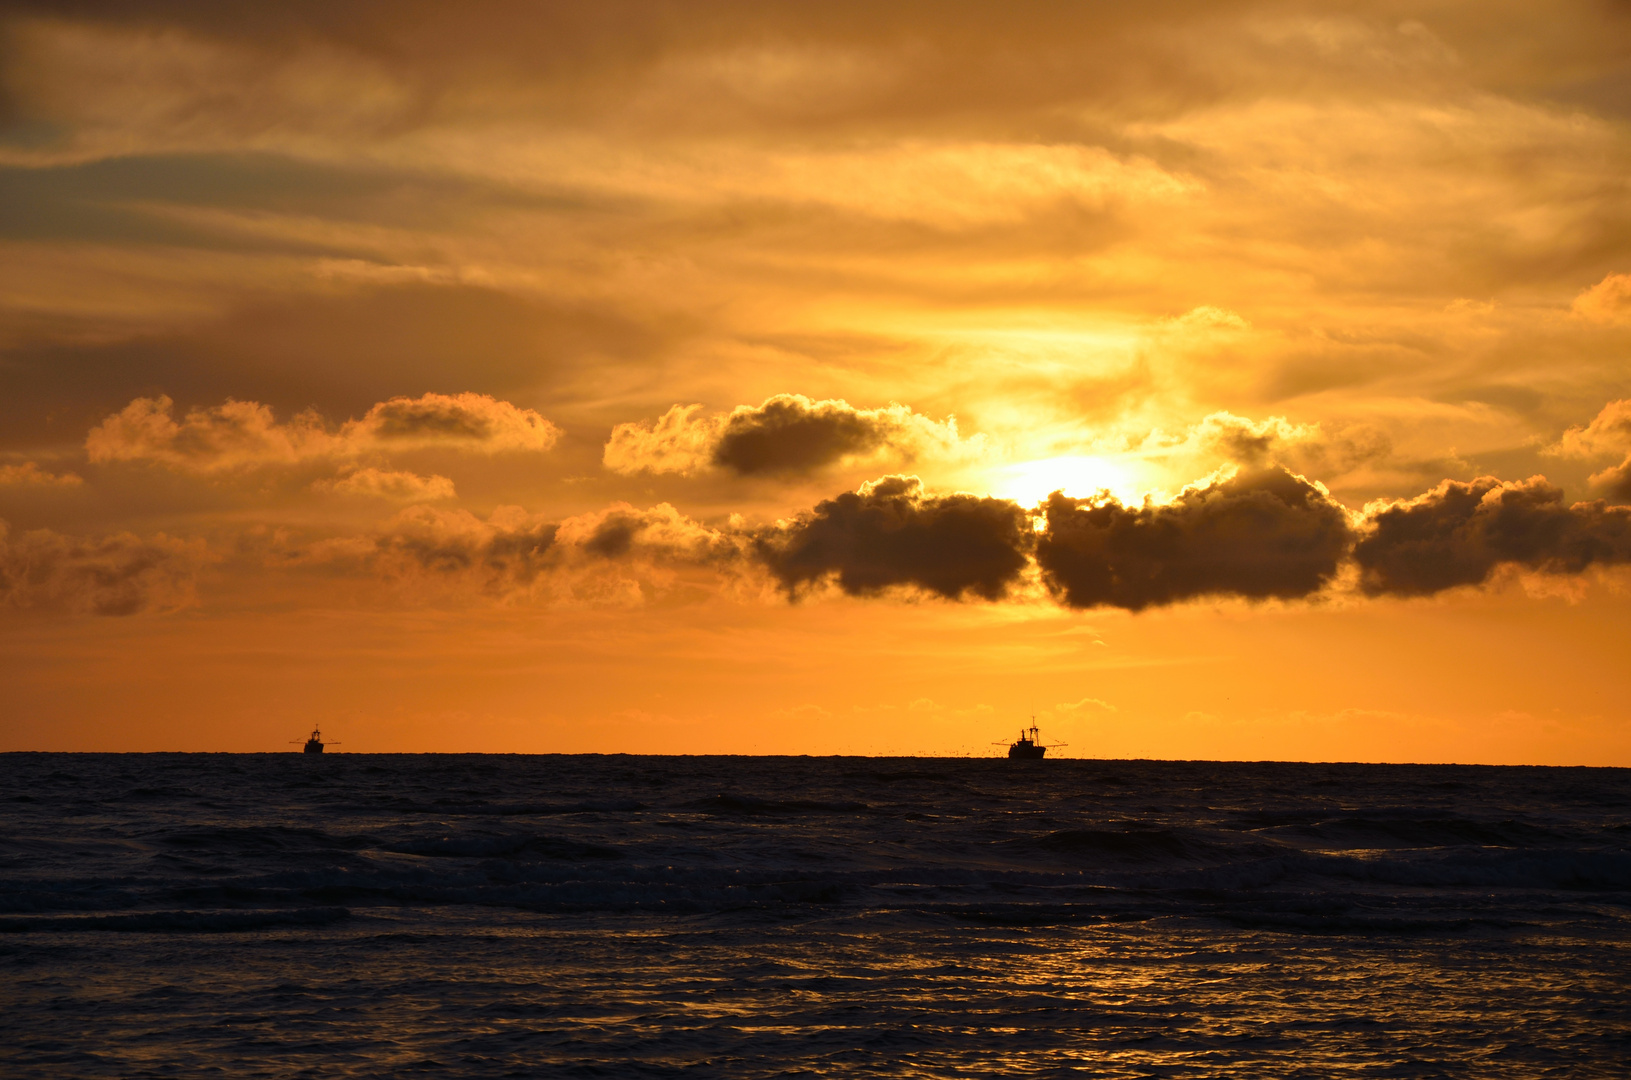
(356, 915)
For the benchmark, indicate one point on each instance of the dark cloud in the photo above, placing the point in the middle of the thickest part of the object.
(121, 574)
(1263, 534)
(792, 435)
(890, 533)
(787, 435)
(1458, 533)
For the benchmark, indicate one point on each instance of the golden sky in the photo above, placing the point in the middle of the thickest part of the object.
(1208, 380)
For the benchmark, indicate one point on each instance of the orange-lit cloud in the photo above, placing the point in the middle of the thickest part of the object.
(1607, 301)
(1608, 435)
(29, 474)
(390, 484)
(244, 434)
(620, 555)
(113, 575)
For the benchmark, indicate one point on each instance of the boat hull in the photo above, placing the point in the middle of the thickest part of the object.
(1027, 753)
(314, 747)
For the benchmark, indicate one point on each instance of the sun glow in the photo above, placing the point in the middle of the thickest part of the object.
(1030, 482)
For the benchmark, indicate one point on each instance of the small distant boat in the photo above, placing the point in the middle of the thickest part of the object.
(314, 745)
(1028, 747)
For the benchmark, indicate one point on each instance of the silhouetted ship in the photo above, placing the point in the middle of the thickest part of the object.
(314, 745)
(1028, 747)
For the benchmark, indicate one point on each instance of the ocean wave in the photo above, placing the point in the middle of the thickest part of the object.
(1423, 831)
(1139, 844)
(520, 845)
(151, 922)
(747, 804)
(252, 838)
(485, 809)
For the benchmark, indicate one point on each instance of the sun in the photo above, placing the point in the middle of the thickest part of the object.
(1030, 482)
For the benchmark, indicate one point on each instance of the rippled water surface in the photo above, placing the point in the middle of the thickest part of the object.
(358, 915)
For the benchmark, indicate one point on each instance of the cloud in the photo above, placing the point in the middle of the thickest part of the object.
(501, 555)
(1303, 448)
(1088, 706)
(1458, 533)
(1608, 434)
(788, 434)
(1607, 301)
(245, 434)
(1207, 317)
(1260, 534)
(121, 574)
(620, 552)
(386, 484)
(1615, 481)
(469, 421)
(889, 533)
(29, 474)
(679, 441)
(182, 88)
(234, 435)
(660, 535)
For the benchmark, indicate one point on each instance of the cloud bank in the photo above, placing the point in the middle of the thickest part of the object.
(787, 435)
(1256, 535)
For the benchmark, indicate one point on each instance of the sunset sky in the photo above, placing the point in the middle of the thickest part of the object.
(1207, 380)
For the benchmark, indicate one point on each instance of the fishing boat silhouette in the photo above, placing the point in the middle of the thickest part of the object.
(314, 745)
(1028, 747)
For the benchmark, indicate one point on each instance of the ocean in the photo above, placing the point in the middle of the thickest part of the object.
(356, 915)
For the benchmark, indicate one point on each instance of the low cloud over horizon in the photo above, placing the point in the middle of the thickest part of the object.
(1257, 533)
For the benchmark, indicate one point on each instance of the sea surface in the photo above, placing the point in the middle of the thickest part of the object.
(357, 915)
